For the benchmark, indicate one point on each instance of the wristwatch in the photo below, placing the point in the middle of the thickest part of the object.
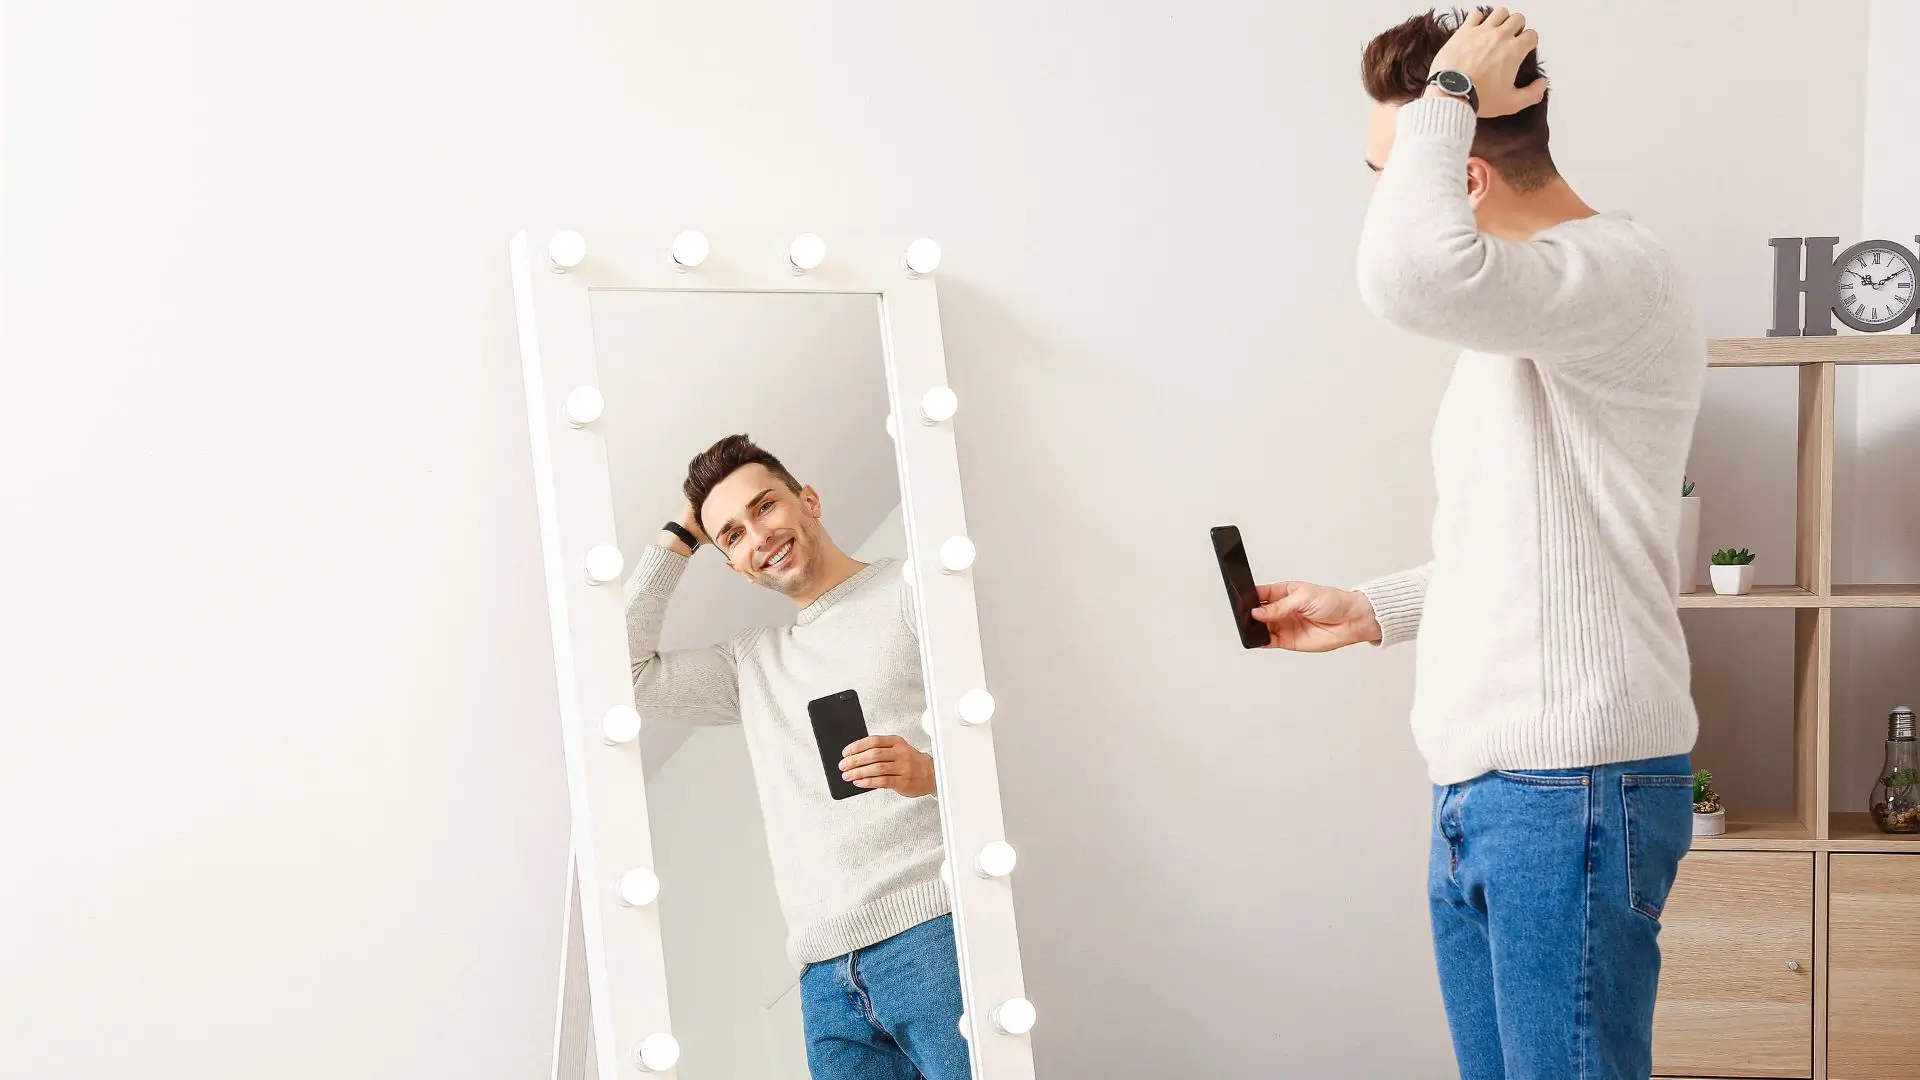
(687, 538)
(1457, 84)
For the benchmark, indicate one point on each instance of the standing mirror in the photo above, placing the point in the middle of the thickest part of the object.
(788, 856)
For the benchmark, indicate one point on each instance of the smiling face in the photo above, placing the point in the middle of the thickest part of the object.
(770, 534)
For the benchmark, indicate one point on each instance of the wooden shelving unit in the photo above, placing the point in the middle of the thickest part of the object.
(1729, 1012)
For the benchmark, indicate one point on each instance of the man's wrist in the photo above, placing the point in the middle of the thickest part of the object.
(673, 543)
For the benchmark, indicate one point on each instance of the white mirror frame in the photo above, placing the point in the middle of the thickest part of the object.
(626, 982)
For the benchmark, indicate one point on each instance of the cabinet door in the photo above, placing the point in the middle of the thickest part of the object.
(1873, 971)
(1736, 972)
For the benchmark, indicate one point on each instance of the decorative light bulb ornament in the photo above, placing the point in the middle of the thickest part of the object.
(938, 405)
(639, 887)
(806, 253)
(621, 725)
(956, 554)
(996, 860)
(893, 429)
(976, 707)
(566, 250)
(585, 405)
(604, 564)
(689, 250)
(657, 1053)
(1015, 1016)
(922, 257)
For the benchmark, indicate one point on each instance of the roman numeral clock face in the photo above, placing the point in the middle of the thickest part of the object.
(1876, 286)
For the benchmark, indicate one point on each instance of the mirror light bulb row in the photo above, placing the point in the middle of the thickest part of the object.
(567, 249)
(639, 887)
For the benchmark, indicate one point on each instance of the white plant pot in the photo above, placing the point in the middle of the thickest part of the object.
(1689, 547)
(1733, 580)
(1714, 824)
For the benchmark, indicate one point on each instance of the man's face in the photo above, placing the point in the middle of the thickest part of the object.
(769, 533)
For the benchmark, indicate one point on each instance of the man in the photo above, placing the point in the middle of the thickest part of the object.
(1551, 700)
(859, 878)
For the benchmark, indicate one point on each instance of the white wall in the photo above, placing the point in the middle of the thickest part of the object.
(1877, 536)
(281, 791)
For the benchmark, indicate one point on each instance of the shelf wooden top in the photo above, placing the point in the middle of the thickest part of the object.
(1793, 596)
(1783, 832)
(1891, 347)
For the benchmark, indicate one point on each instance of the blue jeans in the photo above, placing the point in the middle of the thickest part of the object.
(890, 1011)
(1545, 890)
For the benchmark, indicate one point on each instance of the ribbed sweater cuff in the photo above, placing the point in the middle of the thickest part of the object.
(1438, 119)
(870, 923)
(659, 570)
(1397, 600)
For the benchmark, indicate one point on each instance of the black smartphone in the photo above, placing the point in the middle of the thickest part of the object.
(1232, 555)
(837, 724)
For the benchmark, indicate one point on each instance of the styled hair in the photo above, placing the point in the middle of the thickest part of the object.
(721, 460)
(1395, 66)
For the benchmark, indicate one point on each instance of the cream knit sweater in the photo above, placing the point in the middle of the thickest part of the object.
(1548, 633)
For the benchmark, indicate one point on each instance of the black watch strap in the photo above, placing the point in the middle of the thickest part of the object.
(687, 538)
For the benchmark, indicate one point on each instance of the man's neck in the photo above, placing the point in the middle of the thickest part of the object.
(1523, 217)
(837, 567)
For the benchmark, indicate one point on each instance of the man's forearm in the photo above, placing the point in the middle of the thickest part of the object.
(1398, 600)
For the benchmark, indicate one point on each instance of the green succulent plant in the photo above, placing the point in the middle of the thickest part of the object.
(1731, 557)
(1705, 799)
(1686, 488)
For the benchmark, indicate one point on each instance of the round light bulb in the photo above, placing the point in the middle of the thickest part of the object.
(566, 250)
(976, 707)
(946, 873)
(690, 249)
(956, 554)
(906, 572)
(657, 1053)
(926, 721)
(923, 257)
(1015, 1016)
(604, 564)
(620, 725)
(639, 887)
(996, 860)
(938, 405)
(963, 1027)
(893, 429)
(585, 405)
(806, 253)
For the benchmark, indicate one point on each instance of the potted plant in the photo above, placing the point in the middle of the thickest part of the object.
(1733, 572)
(1689, 548)
(1709, 817)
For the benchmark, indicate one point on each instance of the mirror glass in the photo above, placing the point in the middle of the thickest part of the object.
(805, 924)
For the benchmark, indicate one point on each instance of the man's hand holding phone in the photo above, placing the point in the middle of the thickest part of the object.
(888, 761)
(1303, 617)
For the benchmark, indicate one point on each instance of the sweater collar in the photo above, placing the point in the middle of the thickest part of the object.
(841, 591)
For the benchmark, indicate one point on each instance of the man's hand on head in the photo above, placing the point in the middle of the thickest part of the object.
(888, 761)
(1489, 48)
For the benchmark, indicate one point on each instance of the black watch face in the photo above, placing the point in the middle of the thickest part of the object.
(1453, 82)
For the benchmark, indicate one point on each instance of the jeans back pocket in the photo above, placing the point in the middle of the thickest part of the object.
(1659, 832)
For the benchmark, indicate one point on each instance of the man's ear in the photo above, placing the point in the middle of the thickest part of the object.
(1479, 180)
(811, 499)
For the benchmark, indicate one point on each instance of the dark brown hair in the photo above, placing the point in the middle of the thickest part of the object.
(1395, 67)
(721, 460)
